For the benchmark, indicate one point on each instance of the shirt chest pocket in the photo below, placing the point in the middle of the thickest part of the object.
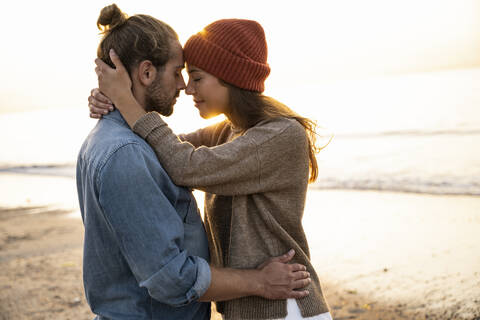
(187, 209)
(195, 238)
(193, 215)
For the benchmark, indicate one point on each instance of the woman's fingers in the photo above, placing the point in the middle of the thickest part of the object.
(96, 110)
(98, 95)
(94, 102)
(113, 82)
(116, 60)
(101, 65)
(95, 116)
(98, 104)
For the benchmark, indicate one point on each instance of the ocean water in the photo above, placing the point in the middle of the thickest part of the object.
(417, 133)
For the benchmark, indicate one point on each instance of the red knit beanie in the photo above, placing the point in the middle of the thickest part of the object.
(234, 50)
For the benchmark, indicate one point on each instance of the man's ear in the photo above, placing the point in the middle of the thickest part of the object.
(146, 72)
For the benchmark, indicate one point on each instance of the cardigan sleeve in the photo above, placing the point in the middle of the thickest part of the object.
(231, 168)
(204, 136)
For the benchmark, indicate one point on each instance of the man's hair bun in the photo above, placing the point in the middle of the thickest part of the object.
(110, 17)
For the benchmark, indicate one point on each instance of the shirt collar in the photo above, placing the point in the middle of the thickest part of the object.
(116, 116)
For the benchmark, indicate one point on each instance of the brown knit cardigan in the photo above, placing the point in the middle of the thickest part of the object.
(256, 184)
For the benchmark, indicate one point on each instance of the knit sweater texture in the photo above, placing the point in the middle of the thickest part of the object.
(256, 185)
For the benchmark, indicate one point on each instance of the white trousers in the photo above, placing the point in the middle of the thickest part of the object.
(293, 313)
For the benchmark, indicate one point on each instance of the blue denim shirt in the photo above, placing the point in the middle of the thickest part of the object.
(145, 247)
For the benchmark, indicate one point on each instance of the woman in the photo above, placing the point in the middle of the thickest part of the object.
(254, 167)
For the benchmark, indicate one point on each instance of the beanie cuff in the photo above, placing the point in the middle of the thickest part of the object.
(241, 72)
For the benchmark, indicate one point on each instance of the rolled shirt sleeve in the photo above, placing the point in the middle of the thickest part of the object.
(135, 194)
(168, 276)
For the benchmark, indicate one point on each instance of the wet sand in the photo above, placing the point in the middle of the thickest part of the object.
(40, 263)
(379, 255)
(396, 255)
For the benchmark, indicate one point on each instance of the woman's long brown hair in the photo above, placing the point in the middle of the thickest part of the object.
(247, 108)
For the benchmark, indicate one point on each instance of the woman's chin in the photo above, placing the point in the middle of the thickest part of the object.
(206, 115)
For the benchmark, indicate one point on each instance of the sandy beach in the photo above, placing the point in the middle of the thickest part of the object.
(393, 88)
(380, 255)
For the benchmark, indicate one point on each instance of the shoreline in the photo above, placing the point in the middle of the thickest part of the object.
(365, 270)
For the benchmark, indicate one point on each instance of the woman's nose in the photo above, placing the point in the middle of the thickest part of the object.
(181, 83)
(189, 90)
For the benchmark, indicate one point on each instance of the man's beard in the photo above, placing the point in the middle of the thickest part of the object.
(158, 100)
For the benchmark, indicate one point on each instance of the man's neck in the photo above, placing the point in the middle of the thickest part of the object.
(139, 95)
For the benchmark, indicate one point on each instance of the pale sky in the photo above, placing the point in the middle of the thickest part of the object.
(48, 47)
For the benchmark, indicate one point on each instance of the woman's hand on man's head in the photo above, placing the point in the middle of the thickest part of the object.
(115, 83)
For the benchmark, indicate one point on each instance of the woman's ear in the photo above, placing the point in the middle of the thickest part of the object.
(146, 72)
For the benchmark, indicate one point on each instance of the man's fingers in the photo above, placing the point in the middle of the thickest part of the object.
(294, 294)
(298, 267)
(297, 284)
(282, 259)
(286, 257)
(95, 116)
(299, 275)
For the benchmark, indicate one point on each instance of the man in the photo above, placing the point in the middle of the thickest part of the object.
(145, 248)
